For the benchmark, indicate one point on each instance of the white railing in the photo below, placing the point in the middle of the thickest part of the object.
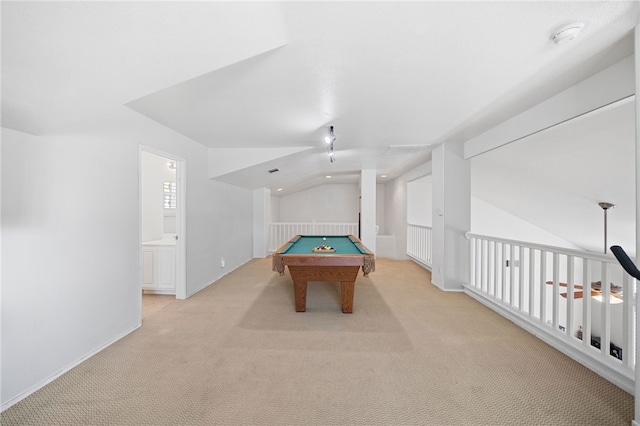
(281, 232)
(541, 288)
(419, 245)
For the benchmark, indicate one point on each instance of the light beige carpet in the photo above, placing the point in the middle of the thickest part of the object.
(154, 302)
(237, 353)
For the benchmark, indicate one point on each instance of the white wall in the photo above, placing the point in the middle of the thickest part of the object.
(70, 239)
(275, 209)
(302, 205)
(261, 219)
(325, 203)
(396, 207)
(368, 189)
(487, 219)
(380, 208)
(419, 201)
(451, 217)
(576, 215)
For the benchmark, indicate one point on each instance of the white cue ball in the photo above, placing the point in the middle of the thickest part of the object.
(324, 238)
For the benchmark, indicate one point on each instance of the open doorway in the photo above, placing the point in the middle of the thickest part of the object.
(162, 225)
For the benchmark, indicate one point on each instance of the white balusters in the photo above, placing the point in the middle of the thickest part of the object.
(551, 289)
(419, 245)
(281, 232)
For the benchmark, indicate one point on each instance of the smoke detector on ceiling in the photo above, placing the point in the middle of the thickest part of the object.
(566, 33)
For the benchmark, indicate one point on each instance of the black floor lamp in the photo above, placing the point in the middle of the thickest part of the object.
(605, 207)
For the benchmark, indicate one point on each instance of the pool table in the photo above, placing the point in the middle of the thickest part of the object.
(341, 265)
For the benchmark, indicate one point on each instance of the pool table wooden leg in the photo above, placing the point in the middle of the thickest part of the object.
(347, 290)
(300, 295)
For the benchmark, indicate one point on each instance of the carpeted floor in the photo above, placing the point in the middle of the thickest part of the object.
(237, 353)
(154, 302)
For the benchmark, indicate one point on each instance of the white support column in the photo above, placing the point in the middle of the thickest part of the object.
(368, 209)
(636, 420)
(261, 219)
(451, 216)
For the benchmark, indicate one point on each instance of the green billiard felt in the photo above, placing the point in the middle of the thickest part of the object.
(342, 244)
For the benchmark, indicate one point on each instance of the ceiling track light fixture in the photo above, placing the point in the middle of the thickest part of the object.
(329, 140)
(566, 33)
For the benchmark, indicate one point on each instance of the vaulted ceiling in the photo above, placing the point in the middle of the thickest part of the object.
(260, 83)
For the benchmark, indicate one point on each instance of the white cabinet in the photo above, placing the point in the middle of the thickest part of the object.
(159, 268)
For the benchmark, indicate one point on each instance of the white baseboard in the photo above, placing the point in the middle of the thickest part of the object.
(54, 376)
(163, 292)
(420, 262)
(203, 286)
(430, 269)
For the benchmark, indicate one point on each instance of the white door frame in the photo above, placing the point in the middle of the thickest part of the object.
(181, 225)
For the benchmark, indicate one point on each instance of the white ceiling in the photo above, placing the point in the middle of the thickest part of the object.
(394, 78)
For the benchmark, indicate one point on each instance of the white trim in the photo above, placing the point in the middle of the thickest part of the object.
(579, 116)
(181, 228)
(165, 292)
(1, 268)
(140, 256)
(636, 67)
(65, 369)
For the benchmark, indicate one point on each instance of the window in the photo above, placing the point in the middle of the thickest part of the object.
(169, 189)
